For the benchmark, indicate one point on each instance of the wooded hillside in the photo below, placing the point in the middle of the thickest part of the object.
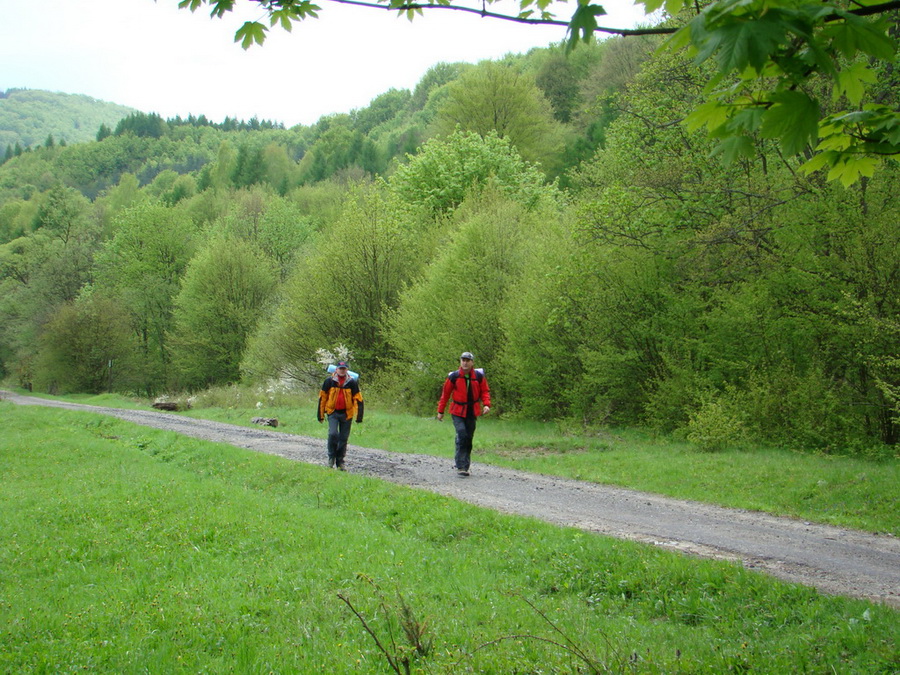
(548, 213)
(30, 117)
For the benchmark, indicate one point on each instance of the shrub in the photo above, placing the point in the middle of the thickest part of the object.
(715, 425)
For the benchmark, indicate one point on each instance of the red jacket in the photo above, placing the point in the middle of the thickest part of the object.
(455, 391)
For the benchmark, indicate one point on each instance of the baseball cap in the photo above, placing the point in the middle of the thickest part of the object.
(467, 355)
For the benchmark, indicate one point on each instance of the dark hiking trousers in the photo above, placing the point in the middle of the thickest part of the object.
(465, 431)
(338, 434)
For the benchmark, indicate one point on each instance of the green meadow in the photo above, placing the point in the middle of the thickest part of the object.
(842, 490)
(131, 550)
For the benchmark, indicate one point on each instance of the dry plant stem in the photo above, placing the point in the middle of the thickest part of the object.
(570, 647)
(394, 666)
(595, 668)
(574, 648)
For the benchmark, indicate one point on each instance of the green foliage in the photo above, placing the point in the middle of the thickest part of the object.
(541, 335)
(343, 289)
(766, 54)
(276, 225)
(27, 117)
(123, 195)
(249, 168)
(445, 171)
(382, 109)
(435, 77)
(143, 266)
(226, 288)
(62, 214)
(494, 98)
(749, 302)
(338, 148)
(559, 83)
(714, 426)
(455, 305)
(727, 304)
(85, 347)
(142, 125)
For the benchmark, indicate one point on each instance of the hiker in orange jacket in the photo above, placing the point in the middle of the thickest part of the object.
(470, 397)
(340, 400)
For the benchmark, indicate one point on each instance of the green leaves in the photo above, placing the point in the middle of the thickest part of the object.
(445, 171)
(711, 115)
(583, 23)
(853, 144)
(192, 5)
(733, 148)
(855, 34)
(851, 82)
(281, 13)
(841, 167)
(793, 119)
(768, 54)
(672, 6)
(739, 44)
(250, 32)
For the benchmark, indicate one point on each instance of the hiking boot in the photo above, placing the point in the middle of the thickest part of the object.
(341, 467)
(463, 472)
(331, 462)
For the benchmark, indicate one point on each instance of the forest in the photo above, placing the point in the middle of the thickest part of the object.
(31, 117)
(547, 211)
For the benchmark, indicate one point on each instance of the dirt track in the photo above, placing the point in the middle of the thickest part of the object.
(832, 559)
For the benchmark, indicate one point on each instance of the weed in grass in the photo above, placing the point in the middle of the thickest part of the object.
(418, 643)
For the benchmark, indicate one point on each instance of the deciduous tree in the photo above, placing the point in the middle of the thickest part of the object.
(440, 176)
(86, 347)
(143, 266)
(766, 52)
(341, 292)
(226, 290)
(496, 98)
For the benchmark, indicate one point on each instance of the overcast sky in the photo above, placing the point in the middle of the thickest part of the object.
(155, 57)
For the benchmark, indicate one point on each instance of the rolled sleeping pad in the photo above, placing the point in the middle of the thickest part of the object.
(333, 368)
(479, 370)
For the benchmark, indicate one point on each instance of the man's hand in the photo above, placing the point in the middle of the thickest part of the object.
(486, 409)
(440, 417)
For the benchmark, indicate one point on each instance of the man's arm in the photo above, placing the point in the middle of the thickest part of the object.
(445, 396)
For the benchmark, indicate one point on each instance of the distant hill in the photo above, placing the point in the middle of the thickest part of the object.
(29, 116)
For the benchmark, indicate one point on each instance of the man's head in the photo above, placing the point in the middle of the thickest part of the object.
(341, 368)
(466, 360)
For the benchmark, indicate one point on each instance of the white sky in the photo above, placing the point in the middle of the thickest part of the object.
(154, 57)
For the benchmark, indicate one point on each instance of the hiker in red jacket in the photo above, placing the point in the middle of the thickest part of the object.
(467, 390)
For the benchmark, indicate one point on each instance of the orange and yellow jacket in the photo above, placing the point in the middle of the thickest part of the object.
(332, 389)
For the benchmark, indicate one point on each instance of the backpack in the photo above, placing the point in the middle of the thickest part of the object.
(454, 374)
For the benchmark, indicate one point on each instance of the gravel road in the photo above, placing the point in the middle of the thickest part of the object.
(832, 559)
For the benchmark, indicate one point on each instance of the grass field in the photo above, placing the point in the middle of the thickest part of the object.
(840, 490)
(130, 550)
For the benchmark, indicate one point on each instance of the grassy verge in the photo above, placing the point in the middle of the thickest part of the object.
(128, 549)
(839, 490)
